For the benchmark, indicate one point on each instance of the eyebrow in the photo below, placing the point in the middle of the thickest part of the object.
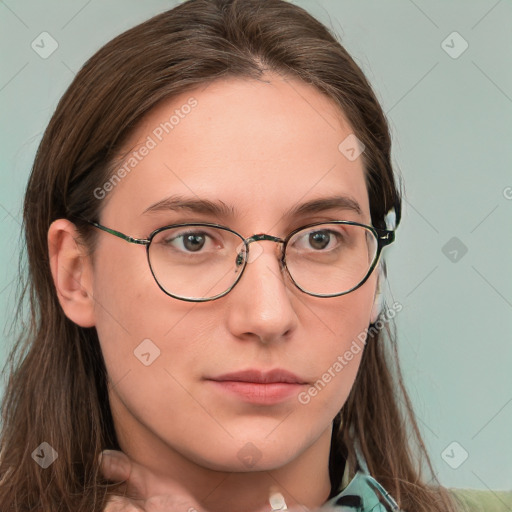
(178, 203)
(221, 209)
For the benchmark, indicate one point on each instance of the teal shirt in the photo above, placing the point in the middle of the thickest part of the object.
(364, 494)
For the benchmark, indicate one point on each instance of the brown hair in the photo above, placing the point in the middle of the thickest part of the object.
(58, 385)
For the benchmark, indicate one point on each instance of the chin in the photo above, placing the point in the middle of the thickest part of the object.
(248, 457)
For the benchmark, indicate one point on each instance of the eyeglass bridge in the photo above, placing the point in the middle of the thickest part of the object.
(260, 237)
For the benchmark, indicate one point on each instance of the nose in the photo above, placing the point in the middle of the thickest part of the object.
(262, 301)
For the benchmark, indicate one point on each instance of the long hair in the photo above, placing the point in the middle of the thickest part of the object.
(57, 390)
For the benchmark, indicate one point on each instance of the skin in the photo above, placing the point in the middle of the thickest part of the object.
(261, 147)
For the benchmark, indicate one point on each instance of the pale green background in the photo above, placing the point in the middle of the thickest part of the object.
(451, 121)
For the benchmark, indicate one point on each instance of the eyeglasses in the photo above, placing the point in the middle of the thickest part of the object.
(204, 261)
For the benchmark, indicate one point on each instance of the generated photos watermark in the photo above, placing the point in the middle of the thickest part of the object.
(157, 135)
(344, 359)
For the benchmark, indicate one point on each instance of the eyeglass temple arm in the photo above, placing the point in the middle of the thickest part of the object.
(141, 241)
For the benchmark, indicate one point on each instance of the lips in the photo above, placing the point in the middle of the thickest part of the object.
(277, 375)
(259, 387)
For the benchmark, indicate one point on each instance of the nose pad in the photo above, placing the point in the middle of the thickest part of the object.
(255, 250)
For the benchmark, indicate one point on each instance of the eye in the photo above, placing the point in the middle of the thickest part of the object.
(318, 239)
(192, 241)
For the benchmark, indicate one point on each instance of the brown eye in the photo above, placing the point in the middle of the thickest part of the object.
(319, 239)
(193, 242)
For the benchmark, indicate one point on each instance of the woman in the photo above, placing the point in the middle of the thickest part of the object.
(235, 371)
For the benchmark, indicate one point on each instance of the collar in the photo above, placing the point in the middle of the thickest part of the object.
(362, 493)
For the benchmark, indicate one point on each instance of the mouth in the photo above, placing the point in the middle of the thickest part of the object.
(259, 387)
(275, 376)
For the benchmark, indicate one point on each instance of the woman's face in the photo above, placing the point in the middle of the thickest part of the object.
(260, 149)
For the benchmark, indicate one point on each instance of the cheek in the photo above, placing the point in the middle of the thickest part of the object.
(151, 342)
(135, 320)
(151, 349)
(338, 354)
(345, 318)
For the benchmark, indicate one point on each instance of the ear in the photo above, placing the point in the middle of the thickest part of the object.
(378, 299)
(72, 272)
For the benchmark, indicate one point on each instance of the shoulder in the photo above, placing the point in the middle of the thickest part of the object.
(483, 501)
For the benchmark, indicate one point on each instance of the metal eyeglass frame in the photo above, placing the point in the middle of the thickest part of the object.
(384, 237)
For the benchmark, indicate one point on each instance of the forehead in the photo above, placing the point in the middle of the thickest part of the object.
(260, 147)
